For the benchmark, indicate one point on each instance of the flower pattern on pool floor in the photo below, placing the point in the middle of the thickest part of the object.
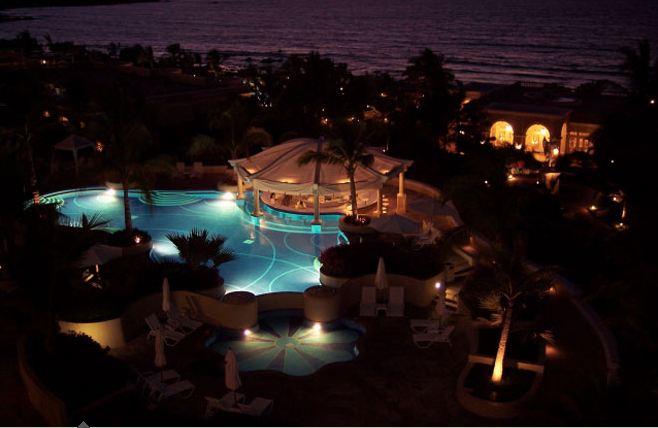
(285, 344)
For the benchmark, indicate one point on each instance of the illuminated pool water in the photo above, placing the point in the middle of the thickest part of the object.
(276, 252)
(288, 344)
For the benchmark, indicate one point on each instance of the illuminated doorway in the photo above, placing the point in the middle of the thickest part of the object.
(536, 139)
(501, 134)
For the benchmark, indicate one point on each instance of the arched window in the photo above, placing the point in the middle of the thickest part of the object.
(536, 140)
(501, 134)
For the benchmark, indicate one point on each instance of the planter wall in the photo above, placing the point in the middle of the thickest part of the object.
(51, 408)
(493, 409)
(107, 333)
(322, 304)
(239, 310)
(280, 301)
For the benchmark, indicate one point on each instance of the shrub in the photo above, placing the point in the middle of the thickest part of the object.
(123, 238)
(182, 277)
(76, 368)
(400, 258)
(124, 280)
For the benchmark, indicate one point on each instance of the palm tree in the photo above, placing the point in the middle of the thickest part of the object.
(642, 73)
(506, 285)
(350, 153)
(128, 149)
(232, 123)
(214, 60)
(198, 247)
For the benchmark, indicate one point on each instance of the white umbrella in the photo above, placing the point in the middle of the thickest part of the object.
(440, 309)
(381, 281)
(232, 373)
(166, 300)
(98, 254)
(160, 359)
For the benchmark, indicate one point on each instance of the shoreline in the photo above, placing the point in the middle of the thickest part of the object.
(26, 4)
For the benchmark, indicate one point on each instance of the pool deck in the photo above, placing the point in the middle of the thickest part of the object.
(391, 382)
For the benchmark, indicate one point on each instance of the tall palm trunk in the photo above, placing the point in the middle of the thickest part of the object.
(126, 206)
(497, 375)
(355, 212)
(30, 163)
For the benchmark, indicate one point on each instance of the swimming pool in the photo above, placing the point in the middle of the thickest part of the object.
(286, 343)
(276, 252)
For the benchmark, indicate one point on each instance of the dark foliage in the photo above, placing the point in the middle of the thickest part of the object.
(76, 368)
(360, 259)
(124, 238)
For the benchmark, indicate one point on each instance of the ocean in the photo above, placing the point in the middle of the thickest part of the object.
(491, 41)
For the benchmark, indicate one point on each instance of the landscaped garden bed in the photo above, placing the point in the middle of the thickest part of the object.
(76, 369)
(359, 259)
(521, 346)
(515, 384)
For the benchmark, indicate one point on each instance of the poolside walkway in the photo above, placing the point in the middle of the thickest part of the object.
(391, 382)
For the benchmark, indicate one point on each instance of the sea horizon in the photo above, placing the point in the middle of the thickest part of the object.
(485, 41)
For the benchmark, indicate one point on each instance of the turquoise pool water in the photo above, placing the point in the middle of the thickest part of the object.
(276, 252)
(288, 344)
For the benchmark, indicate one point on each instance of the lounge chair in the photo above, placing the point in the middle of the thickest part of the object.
(425, 326)
(425, 340)
(258, 407)
(368, 306)
(235, 403)
(228, 403)
(395, 307)
(180, 322)
(171, 337)
(149, 381)
(184, 388)
(197, 170)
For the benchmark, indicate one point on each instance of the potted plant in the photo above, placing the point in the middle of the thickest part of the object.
(202, 255)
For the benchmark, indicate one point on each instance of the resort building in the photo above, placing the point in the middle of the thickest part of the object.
(546, 120)
(280, 181)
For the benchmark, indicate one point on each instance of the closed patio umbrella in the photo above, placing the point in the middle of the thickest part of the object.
(440, 310)
(160, 360)
(232, 373)
(381, 282)
(166, 299)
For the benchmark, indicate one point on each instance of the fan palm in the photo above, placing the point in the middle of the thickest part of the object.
(198, 248)
(350, 153)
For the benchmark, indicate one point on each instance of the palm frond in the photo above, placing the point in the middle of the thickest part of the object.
(198, 248)
(94, 222)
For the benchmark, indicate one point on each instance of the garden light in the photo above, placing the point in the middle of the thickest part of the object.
(593, 208)
(437, 285)
(137, 239)
(247, 332)
(317, 327)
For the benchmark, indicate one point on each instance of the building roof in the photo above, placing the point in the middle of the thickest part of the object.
(276, 169)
